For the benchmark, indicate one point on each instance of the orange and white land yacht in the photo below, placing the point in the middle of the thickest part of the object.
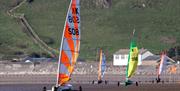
(69, 49)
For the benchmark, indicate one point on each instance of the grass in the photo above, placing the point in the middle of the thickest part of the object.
(109, 28)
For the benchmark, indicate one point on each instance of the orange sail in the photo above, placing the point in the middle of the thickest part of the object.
(70, 43)
(102, 66)
(172, 69)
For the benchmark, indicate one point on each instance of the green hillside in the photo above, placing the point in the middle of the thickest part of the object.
(156, 23)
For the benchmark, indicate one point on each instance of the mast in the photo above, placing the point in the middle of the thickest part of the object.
(62, 40)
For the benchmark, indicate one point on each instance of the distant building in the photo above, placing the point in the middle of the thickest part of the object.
(151, 60)
(121, 56)
(169, 61)
(154, 60)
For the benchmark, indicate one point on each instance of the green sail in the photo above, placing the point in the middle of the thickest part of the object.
(132, 60)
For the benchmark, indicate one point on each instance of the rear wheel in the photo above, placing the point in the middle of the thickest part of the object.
(44, 88)
(136, 83)
(80, 88)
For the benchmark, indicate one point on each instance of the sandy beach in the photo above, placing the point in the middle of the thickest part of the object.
(37, 82)
(95, 87)
(141, 87)
(25, 77)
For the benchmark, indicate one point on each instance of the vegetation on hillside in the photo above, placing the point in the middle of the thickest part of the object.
(156, 23)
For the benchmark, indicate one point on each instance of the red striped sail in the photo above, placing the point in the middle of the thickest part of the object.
(70, 43)
(163, 63)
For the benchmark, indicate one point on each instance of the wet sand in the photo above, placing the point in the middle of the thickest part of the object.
(142, 87)
(95, 87)
(37, 82)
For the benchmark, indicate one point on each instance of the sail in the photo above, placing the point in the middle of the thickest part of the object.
(162, 64)
(70, 43)
(132, 60)
(102, 65)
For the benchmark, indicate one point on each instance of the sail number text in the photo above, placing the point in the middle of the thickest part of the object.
(74, 19)
(73, 31)
(134, 58)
